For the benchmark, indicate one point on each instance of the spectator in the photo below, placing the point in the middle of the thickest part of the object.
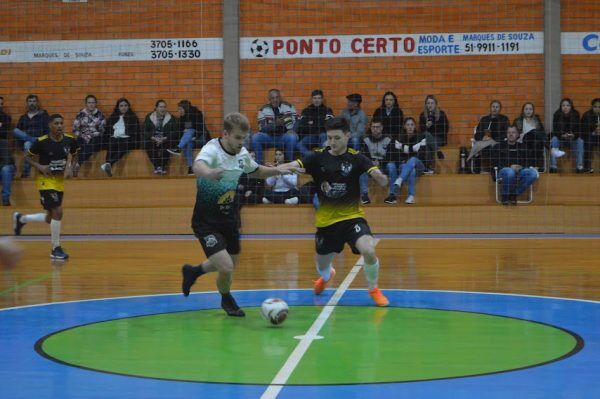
(31, 125)
(124, 128)
(193, 129)
(88, 127)
(7, 171)
(250, 189)
(276, 122)
(4, 121)
(510, 158)
(284, 188)
(411, 152)
(160, 129)
(533, 135)
(490, 130)
(434, 123)
(311, 125)
(357, 120)
(391, 115)
(566, 129)
(378, 148)
(590, 128)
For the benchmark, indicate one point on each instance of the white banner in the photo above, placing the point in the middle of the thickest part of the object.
(396, 45)
(580, 43)
(112, 50)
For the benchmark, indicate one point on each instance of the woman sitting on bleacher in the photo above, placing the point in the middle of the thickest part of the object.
(566, 130)
(123, 129)
(284, 188)
(411, 153)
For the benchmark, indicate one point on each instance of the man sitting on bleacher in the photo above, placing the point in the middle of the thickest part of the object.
(514, 171)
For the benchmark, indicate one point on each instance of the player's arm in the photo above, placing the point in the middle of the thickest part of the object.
(262, 172)
(379, 177)
(201, 169)
(32, 159)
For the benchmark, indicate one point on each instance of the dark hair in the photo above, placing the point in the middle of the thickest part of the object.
(317, 92)
(2, 98)
(90, 96)
(390, 93)
(337, 124)
(158, 102)
(496, 101)
(117, 111)
(31, 96)
(523, 109)
(185, 104)
(567, 99)
(376, 120)
(512, 126)
(595, 100)
(54, 116)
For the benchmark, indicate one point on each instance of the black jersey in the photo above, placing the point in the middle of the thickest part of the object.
(54, 154)
(337, 181)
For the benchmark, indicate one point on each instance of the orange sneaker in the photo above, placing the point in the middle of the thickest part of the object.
(320, 284)
(378, 297)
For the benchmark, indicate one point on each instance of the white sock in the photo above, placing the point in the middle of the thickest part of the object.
(34, 217)
(372, 274)
(325, 273)
(55, 233)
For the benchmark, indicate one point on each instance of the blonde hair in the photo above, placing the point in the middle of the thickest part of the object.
(236, 121)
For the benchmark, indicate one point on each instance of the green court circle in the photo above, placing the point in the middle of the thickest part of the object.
(360, 345)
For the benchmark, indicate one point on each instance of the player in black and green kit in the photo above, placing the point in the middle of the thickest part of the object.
(340, 219)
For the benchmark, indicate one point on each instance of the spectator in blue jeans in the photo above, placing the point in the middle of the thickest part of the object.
(412, 152)
(566, 129)
(276, 122)
(311, 125)
(514, 166)
(7, 171)
(378, 148)
(193, 129)
(357, 120)
(31, 125)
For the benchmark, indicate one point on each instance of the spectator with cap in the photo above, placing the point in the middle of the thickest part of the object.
(356, 118)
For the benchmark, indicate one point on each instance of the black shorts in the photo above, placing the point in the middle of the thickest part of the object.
(332, 238)
(51, 199)
(215, 239)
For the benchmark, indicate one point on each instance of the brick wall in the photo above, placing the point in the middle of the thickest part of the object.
(580, 73)
(62, 87)
(464, 85)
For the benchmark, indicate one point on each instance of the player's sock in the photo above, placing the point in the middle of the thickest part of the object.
(326, 272)
(34, 217)
(190, 274)
(372, 274)
(230, 306)
(55, 233)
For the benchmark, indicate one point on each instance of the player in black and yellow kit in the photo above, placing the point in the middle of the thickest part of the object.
(339, 220)
(55, 155)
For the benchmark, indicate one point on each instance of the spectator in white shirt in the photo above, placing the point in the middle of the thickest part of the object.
(284, 188)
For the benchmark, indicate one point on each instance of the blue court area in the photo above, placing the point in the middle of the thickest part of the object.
(25, 372)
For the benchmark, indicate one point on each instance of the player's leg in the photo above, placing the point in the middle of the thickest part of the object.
(327, 244)
(56, 214)
(20, 220)
(365, 245)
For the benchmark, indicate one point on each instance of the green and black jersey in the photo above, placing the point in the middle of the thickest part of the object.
(337, 181)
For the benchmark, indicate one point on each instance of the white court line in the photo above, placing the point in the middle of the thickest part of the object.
(284, 373)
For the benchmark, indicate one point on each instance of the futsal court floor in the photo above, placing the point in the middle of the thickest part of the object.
(470, 316)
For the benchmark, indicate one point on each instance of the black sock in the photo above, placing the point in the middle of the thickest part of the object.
(198, 271)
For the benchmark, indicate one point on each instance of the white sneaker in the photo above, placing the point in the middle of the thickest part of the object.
(291, 201)
(556, 153)
(106, 168)
(410, 199)
(265, 201)
(398, 182)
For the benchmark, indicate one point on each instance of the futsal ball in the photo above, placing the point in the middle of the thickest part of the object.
(274, 310)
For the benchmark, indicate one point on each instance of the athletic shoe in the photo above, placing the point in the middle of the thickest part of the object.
(230, 306)
(58, 254)
(265, 201)
(556, 153)
(174, 151)
(410, 200)
(189, 278)
(291, 201)
(106, 168)
(553, 170)
(505, 199)
(513, 199)
(428, 171)
(391, 199)
(190, 171)
(364, 199)
(320, 284)
(17, 224)
(5, 201)
(378, 297)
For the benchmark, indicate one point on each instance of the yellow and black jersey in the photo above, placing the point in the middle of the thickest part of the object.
(55, 154)
(337, 181)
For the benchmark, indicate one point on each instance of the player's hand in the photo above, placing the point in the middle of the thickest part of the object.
(45, 170)
(215, 174)
(289, 168)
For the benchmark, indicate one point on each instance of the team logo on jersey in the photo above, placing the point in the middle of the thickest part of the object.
(241, 163)
(226, 198)
(210, 241)
(346, 168)
(67, 149)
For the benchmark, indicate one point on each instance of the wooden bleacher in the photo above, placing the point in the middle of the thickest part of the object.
(447, 202)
